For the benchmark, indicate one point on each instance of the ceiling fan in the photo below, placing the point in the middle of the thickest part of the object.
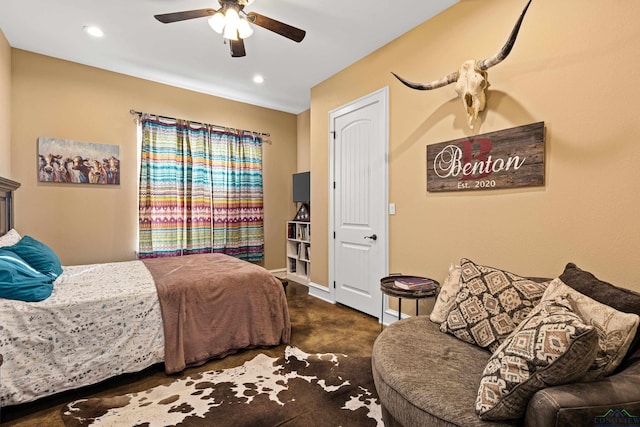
(233, 22)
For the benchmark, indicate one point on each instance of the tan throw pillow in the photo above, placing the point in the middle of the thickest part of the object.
(552, 346)
(490, 304)
(447, 295)
(615, 328)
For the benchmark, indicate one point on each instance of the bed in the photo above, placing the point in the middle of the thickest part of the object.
(104, 320)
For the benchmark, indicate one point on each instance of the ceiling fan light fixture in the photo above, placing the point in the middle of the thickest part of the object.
(230, 32)
(231, 16)
(227, 21)
(244, 29)
(216, 22)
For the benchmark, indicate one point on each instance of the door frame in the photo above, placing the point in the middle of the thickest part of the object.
(381, 96)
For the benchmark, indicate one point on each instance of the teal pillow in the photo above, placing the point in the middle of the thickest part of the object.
(20, 281)
(37, 255)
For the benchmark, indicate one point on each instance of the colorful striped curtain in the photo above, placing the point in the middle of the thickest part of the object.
(237, 195)
(200, 191)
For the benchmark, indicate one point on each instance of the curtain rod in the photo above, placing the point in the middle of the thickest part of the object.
(139, 113)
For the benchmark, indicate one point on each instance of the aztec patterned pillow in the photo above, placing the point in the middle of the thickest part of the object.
(490, 304)
(447, 295)
(615, 328)
(552, 346)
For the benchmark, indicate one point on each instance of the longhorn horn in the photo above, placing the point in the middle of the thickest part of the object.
(451, 78)
(485, 64)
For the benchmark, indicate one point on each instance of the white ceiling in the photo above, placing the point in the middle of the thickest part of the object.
(190, 55)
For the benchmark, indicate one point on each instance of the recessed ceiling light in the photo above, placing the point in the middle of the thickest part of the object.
(93, 31)
(258, 79)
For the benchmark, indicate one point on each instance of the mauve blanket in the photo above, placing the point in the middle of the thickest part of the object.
(213, 305)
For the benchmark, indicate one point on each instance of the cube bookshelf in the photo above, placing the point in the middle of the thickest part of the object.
(299, 251)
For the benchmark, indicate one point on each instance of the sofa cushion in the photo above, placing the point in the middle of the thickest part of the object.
(447, 295)
(489, 304)
(616, 329)
(621, 299)
(551, 346)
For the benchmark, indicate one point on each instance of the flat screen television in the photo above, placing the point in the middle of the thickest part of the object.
(302, 187)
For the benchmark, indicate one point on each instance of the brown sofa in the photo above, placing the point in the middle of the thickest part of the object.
(428, 378)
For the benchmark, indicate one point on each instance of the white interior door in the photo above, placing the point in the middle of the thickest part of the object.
(359, 245)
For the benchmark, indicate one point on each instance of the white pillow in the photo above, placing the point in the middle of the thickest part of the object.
(616, 329)
(447, 295)
(11, 238)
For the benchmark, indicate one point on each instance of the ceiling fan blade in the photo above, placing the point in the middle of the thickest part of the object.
(237, 48)
(286, 30)
(167, 18)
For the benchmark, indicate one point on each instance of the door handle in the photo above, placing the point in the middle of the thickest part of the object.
(372, 237)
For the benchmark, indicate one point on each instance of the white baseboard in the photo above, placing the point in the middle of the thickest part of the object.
(391, 316)
(322, 292)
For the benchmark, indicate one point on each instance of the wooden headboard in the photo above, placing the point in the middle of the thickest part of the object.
(7, 187)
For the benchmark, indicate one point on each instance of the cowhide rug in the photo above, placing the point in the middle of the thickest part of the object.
(296, 389)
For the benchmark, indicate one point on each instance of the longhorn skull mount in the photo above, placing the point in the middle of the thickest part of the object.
(471, 78)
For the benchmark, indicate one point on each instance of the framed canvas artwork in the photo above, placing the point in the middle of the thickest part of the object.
(65, 160)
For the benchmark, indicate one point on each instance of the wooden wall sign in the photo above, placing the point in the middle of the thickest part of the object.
(503, 159)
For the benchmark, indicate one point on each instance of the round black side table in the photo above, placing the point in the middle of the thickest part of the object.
(388, 287)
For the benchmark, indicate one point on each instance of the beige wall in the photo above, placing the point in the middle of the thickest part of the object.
(571, 67)
(86, 224)
(304, 142)
(5, 107)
